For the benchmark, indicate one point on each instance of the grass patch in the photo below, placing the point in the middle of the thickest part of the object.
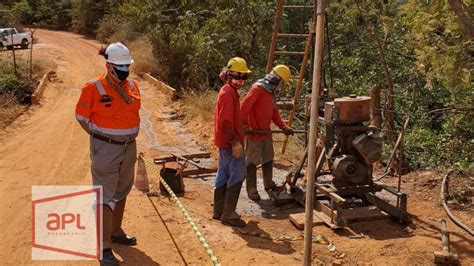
(16, 90)
(197, 110)
(144, 61)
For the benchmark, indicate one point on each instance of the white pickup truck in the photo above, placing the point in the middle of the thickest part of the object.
(22, 39)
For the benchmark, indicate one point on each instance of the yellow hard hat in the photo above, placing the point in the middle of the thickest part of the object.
(238, 64)
(282, 71)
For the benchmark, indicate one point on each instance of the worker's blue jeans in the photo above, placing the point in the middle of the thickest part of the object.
(230, 170)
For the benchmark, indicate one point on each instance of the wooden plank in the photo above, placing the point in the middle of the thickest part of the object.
(387, 207)
(198, 171)
(329, 192)
(162, 86)
(35, 97)
(327, 211)
(298, 220)
(289, 53)
(325, 219)
(292, 35)
(285, 105)
(171, 158)
(366, 213)
(298, 7)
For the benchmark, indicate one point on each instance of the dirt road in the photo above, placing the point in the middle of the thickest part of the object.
(47, 147)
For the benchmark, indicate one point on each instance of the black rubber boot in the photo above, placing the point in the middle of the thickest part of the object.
(270, 186)
(267, 169)
(229, 216)
(251, 182)
(219, 200)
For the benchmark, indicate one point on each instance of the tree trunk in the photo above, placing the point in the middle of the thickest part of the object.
(464, 19)
(389, 121)
(376, 114)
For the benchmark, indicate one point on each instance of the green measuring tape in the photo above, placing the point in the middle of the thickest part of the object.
(178, 203)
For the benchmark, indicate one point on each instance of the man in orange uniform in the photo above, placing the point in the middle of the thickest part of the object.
(258, 110)
(229, 138)
(108, 110)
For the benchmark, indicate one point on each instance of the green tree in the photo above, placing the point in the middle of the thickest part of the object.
(52, 14)
(22, 12)
(86, 15)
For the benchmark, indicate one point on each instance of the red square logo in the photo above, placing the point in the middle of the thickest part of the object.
(66, 222)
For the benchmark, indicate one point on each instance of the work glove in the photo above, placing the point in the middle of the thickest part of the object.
(288, 131)
(248, 130)
(237, 150)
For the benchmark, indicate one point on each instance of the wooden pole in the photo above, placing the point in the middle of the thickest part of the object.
(400, 160)
(31, 54)
(276, 29)
(313, 130)
(13, 51)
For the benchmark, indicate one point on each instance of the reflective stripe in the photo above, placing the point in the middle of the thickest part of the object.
(82, 118)
(131, 84)
(112, 131)
(104, 130)
(99, 87)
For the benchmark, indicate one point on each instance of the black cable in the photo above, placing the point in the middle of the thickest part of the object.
(445, 206)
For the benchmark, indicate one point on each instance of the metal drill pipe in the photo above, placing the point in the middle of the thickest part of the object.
(188, 161)
(257, 132)
(313, 130)
(444, 235)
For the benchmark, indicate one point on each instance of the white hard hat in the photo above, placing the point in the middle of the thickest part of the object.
(118, 54)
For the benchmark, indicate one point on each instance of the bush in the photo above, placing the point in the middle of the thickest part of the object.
(142, 53)
(20, 88)
(438, 150)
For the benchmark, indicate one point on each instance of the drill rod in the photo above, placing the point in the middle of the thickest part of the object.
(256, 132)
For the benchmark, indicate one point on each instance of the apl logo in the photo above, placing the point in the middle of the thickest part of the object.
(58, 222)
(66, 222)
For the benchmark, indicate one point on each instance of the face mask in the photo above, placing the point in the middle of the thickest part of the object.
(121, 72)
(237, 82)
(279, 86)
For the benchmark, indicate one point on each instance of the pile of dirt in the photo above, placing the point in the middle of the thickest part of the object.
(461, 192)
(460, 188)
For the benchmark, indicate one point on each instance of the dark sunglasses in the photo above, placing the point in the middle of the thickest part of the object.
(239, 76)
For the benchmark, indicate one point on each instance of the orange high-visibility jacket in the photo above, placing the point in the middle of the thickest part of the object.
(105, 111)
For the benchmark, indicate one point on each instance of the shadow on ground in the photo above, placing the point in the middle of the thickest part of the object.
(256, 237)
(133, 256)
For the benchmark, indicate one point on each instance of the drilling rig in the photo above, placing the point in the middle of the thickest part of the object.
(348, 146)
(348, 193)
